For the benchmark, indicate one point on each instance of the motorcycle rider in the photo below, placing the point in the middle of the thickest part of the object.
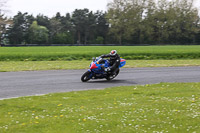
(114, 62)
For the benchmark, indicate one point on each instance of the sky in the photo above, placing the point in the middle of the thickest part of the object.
(51, 7)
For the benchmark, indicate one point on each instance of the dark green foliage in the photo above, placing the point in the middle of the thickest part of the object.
(85, 22)
(63, 38)
(82, 27)
(125, 22)
(4, 21)
(147, 21)
(17, 33)
(37, 34)
(99, 40)
(43, 21)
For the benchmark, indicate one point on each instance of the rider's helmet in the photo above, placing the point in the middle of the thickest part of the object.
(113, 52)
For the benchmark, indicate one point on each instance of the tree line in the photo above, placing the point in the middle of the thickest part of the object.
(125, 22)
(80, 27)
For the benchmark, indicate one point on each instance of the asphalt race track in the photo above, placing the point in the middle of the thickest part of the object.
(27, 83)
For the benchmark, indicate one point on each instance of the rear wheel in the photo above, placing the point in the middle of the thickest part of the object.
(85, 76)
(110, 77)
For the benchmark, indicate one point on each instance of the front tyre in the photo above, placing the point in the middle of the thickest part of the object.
(86, 76)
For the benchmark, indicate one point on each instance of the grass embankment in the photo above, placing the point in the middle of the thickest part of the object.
(165, 107)
(86, 52)
(8, 66)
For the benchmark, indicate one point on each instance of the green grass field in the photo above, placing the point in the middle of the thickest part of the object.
(165, 107)
(87, 52)
(8, 66)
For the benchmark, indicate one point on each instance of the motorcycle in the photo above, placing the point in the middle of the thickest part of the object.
(96, 70)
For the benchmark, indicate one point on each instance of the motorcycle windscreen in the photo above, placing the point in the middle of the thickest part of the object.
(122, 62)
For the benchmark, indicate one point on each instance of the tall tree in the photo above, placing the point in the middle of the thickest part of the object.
(102, 26)
(66, 23)
(151, 21)
(43, 20)
(83, 21)
(55, 27)
(116, 18)
(4, 22)
(38, 34)
(125, 17)
(18, 32)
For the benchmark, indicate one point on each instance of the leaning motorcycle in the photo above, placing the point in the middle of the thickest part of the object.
(96, 70)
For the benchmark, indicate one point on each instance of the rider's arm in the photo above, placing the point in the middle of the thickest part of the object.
(105, 56)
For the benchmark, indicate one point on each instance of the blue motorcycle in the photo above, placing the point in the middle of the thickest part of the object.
(97, 68)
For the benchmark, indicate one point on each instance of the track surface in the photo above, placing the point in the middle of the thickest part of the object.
(16, 84)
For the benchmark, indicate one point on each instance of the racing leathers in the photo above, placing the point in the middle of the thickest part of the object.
(114, 62)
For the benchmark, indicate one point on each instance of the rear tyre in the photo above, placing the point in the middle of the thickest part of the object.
(85, 76)
(110, 77)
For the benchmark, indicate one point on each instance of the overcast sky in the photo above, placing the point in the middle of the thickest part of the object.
(51, 7)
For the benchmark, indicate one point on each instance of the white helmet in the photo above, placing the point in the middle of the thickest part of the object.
(113, 52)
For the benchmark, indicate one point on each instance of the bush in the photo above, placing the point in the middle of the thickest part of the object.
(99, 40)
(63, 38)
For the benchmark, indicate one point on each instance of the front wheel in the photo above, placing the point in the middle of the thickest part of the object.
(86, 76)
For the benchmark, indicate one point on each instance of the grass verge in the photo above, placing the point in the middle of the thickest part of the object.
(165, 107)
(6, 66)
(86, 52)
